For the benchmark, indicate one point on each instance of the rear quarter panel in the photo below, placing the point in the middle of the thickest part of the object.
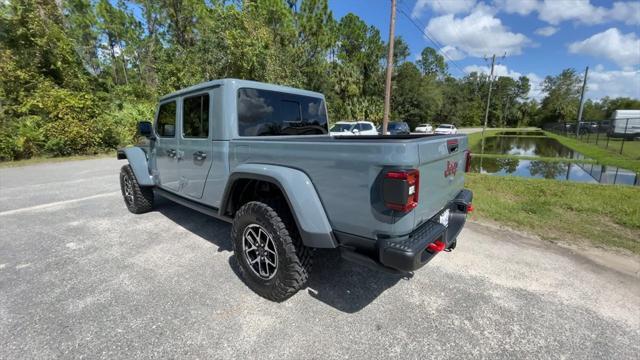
(342, 174)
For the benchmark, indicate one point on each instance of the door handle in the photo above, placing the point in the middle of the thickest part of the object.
(199, 155)
(171, 153)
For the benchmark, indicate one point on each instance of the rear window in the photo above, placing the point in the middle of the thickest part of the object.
(273, 113)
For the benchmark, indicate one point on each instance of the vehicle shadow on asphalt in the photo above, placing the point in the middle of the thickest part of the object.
(212, 230)
(347, 286)
(341, 284)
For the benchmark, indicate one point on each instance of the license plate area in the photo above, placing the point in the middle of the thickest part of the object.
(444, 216)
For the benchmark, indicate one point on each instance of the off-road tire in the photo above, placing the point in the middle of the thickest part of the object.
(294, 259)
(142, 201)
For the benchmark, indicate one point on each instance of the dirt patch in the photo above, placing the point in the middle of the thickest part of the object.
(619, 260)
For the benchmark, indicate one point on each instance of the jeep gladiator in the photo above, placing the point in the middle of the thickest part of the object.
(260, 157)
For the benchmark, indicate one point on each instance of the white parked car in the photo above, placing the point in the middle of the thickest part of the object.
(446, 129)
(353, 128)
(424, 129)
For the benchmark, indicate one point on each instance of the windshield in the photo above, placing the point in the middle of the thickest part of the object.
(445, 126)
(341, 127)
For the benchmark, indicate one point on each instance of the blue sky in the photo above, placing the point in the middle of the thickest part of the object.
(540, 37)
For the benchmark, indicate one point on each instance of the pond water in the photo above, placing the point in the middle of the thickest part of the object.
(525, 146)
(521, 133)
(587, 173)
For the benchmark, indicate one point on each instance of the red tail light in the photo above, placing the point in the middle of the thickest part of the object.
(401, 189)
(467, 160)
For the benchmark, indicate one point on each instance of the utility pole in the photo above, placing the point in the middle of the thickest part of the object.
(584, 85)
(387, 85)
(486, 114)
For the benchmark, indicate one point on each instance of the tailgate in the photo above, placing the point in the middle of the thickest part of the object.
(442, 163)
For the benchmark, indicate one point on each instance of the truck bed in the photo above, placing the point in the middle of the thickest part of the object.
(347, 173)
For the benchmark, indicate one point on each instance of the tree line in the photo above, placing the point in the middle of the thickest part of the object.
(76, 75)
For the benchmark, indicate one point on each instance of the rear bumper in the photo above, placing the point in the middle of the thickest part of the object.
(411, 252)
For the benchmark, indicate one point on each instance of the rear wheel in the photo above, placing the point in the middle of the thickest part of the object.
(272, 259)
(138, 199)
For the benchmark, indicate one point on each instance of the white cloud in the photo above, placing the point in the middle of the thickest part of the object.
(546, 31)
(443, 6)
(623, 49)
(615, 83)
(499, 70)
(452, 53)
(581, 11)
(521, 7)
(535, 81)
(536, 86)
(477, 34)
(555, 11)
(627, 12)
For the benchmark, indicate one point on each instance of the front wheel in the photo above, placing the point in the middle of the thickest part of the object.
(138, 199)
(272, 259)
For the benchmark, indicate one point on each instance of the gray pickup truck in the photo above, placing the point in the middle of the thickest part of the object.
(260, 157)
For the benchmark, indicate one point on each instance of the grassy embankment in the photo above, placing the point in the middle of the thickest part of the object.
(48, 159)
(602, 215)
(630, 149)
(629, 159)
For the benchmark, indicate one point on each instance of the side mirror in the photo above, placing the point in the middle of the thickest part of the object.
(355, 131)
(145, 128)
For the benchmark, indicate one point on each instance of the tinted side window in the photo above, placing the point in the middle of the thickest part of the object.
(264, 113)
(195, 116)
(366, 127)
(166, 124)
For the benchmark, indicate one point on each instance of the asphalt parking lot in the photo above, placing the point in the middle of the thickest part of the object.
(81, 277)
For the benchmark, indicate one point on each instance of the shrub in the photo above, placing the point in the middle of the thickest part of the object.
(118, 126)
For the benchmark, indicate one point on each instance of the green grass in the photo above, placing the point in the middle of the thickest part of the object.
(602, 155)
(604, 215)
(46, 159)
(630, 149)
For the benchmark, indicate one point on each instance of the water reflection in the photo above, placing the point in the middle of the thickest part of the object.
(525, 146)
(587, 173)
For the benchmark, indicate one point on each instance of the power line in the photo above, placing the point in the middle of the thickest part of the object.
(424, 31)
(422, 28)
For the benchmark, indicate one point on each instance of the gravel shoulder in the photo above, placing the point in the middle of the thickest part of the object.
(82, 277)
